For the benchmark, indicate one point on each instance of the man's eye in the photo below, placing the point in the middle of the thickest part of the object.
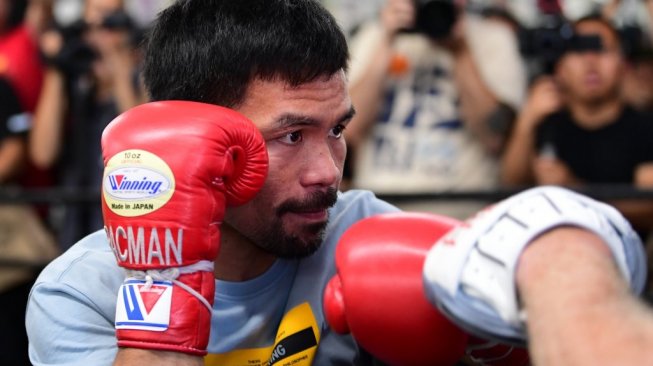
(292, 137)
(337, 131)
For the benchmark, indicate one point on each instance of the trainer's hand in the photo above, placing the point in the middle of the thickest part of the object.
(470, 273)
(378, 294)
(171, 169)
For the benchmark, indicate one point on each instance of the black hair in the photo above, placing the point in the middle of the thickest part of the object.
(17, 9)
(210, 50)
(598, 18)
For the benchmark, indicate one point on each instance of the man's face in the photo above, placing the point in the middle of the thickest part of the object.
(592, 77)
(96, 10)
(98, 37)
(303, 128)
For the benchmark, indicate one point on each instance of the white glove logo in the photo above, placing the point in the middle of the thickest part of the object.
(143, 307)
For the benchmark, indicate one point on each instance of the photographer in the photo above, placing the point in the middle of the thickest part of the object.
(636, 17)
(434, 87)
(91, 77)
(575, 128)
(19, 61)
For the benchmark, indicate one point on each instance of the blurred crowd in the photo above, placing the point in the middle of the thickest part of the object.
(73, 66)
(67, 68)
(480, 95)
(451, 95)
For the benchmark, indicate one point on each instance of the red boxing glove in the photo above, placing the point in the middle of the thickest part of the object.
(378, 294)
(171, 168)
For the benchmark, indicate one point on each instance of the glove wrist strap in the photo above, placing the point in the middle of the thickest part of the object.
(171, 274)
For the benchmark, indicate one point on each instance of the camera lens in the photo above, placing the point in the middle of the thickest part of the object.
(435, 18)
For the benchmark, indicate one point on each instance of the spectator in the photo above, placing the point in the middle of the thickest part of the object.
(637, 88)
(19, 60)
(634, 21)
(430, 116)
(575, 128)
(14, 283)
(21, 22)
(91, 78)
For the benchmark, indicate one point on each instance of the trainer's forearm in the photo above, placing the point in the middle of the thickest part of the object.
(579, 308)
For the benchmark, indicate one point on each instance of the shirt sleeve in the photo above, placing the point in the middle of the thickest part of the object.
(65, 327)
(71, 308)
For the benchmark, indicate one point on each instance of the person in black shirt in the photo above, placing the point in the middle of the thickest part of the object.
(576, 130)
(612, 153)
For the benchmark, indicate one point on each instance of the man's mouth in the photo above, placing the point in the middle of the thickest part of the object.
(314, 208)
(317, 215)
(592, 78)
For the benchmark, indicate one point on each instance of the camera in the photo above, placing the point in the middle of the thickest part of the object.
(118, 20)
(549, 43)
(76, 55)
(434, 18)
(555, 37)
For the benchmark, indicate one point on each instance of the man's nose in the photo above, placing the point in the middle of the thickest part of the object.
(321, 167)
(591, 56)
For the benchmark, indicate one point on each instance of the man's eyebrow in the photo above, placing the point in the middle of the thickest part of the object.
(348, 116)
(290, 120)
